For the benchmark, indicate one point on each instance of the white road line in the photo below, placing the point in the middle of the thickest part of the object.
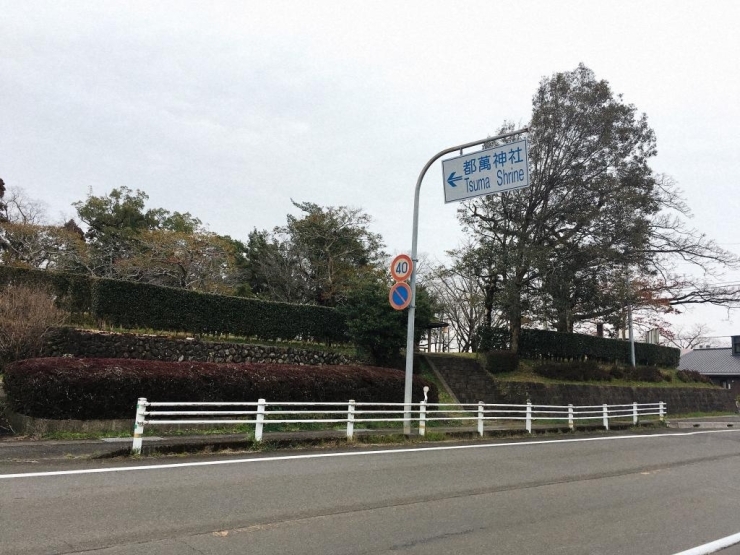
(355, 454)
(713, 547)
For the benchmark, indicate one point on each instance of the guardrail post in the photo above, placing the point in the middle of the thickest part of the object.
(529, 417)
(606, 417)
(480, 418)
(661, 411)
(423, 418)
(351, 419)
(139, 425)
(260, 420)
(634, 414)
(570, 417)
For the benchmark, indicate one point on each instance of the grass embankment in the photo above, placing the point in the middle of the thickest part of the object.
(526, 373)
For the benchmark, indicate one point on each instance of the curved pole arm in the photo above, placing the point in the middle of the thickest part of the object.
(414, 236)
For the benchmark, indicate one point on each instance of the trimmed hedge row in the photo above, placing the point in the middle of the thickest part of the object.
(72, 290)
(692, 376)
(551, 345)
(132, 305)
(85, 389)
(501, 362)
(590, 371)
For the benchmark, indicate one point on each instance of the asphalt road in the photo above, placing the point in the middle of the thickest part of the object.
(658, 494)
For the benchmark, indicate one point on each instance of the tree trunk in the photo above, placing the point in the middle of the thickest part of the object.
(488, 304)
(562, 322)
(516, 332)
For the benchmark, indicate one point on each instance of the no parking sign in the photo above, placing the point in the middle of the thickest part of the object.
(400, 295)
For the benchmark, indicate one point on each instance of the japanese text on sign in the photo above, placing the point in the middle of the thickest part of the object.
(490, 171)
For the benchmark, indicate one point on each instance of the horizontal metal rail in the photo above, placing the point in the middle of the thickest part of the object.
(261, 413)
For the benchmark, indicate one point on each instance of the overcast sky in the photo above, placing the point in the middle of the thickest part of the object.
(228, 110)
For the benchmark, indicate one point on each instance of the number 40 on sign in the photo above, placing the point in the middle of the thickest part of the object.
(401, 267)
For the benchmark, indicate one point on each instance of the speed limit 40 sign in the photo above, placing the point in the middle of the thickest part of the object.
(402, 267)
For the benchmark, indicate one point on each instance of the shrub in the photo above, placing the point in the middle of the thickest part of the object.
(26, 316)
(499, 362)
(377, 330)
(585, 371)
(644, 374)
(617, 372)
(692, 376)
(85, 389)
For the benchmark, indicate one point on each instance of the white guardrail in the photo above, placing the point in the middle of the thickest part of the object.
(350, 413)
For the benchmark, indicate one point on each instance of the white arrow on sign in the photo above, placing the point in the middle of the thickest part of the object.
(486, 172)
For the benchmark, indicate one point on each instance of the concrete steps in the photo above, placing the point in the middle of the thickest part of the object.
(468, 382)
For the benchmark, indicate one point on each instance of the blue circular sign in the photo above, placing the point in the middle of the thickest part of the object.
(400, 295)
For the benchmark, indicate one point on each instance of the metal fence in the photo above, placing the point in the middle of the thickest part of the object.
(350, 413)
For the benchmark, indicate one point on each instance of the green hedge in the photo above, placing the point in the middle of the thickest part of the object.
(139, 305)
(501, 362)
(85, 389)
(551, 345)
(73, 291)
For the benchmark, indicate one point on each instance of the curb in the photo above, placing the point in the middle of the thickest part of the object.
(293, 440)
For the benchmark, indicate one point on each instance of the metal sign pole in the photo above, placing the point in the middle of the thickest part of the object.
(414, 236)
(632, 335)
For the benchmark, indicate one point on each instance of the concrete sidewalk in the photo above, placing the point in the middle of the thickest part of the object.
(732, 421)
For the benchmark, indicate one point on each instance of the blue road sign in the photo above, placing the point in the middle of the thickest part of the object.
(400, 295)
(486, 172)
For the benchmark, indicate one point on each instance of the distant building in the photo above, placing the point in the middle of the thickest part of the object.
(653, 336)
(721, 365)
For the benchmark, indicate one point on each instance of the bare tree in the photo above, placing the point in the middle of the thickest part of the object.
(26, 316)
(682, 338)
(18, 207)
(3, 207)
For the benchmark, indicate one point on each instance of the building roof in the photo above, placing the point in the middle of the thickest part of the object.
(712, 362)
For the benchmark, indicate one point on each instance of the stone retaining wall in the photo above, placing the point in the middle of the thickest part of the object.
(23, 425)
(680, 400)
(27, 426)
(94, 344)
